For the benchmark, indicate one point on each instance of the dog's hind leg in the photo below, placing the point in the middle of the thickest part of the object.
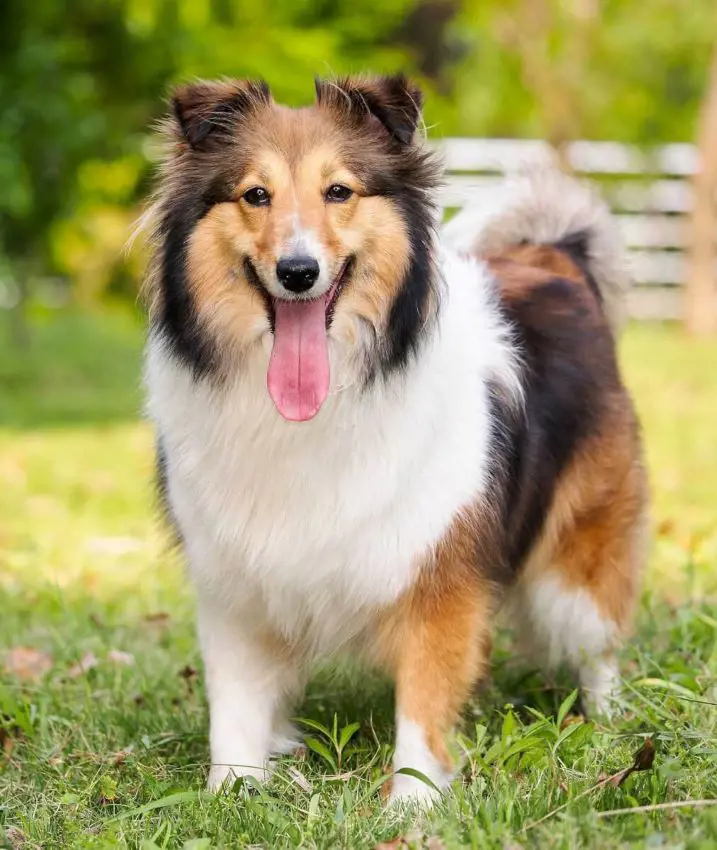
(575, 604)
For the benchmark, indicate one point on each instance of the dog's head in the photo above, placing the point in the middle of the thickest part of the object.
(311, 226)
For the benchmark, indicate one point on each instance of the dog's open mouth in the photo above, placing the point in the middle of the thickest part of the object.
(298, 377)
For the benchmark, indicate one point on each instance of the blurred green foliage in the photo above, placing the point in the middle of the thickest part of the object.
(83, 81)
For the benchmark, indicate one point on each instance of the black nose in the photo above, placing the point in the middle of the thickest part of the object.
(297, 274)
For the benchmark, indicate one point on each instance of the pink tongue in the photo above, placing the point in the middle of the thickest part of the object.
(298, 376)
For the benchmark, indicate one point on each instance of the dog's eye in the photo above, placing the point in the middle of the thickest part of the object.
(257, 196)
(338, 193)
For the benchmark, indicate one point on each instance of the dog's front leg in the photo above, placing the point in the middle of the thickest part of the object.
(248, 676)
(437, 640)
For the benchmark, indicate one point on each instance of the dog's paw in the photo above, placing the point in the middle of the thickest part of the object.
(222, 777)
(286, 740)
(411, 790)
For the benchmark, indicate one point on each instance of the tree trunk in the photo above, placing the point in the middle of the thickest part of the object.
(701, 286)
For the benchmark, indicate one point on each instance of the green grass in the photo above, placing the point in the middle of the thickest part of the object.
(116, 756)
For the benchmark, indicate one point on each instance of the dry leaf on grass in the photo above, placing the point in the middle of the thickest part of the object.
(571, 720)
(87, 662)
(120, 757)
(116, 656)
(299, 778)
(15, 837)
(643, 760)
(158, 618)
(9, 733)
(188, 672)
(27, 663)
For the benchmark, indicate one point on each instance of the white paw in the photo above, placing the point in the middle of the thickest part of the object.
(285, 740)
(412, 790)
(599, 686)
(412, 751)
(599, 705)
(222, 776)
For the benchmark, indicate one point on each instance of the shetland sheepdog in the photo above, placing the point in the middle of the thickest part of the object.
(371, 434)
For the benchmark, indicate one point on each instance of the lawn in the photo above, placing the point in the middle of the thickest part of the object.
(102, 717)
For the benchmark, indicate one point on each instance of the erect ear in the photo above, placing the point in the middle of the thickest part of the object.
(395, 101)
(206, 111)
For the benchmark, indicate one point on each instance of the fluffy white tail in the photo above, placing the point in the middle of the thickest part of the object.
(547, 207)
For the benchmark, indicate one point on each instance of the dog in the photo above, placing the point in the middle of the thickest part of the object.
(371, 434)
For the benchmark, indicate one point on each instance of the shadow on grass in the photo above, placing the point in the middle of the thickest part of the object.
(75, 369)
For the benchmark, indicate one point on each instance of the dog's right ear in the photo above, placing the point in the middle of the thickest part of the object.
(207, 111)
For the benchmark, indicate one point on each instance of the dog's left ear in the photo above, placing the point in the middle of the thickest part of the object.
(394, 101)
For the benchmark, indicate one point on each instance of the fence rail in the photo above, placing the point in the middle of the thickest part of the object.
(649, 192)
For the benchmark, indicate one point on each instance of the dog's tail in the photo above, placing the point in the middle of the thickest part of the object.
(547, 207)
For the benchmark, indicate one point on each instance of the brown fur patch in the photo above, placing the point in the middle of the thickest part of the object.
(545, 258)
(436, 640)
(594, 537)
(237, 312)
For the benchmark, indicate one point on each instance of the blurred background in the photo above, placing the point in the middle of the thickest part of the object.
(621, 91)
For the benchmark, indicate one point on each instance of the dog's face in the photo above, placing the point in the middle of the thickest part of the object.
(308, 226)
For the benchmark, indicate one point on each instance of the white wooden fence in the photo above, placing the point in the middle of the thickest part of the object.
(649, 192)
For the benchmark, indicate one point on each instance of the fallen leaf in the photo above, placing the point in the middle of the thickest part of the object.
(120, 757)
(572, 719)
(16, 837)
(9, 733)
(188, 672)
(299, 778)
(159, 618)
(87, 662)
(116, 656)
(643, 760)
(27, 663)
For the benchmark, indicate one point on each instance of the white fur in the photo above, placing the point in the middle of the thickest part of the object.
(543, 206)
(412, 751)
(562, 625)
(246, 687)
(599, 685)
(306, 530)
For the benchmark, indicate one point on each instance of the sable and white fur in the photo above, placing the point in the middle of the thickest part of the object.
(544, 206)
(356, 531)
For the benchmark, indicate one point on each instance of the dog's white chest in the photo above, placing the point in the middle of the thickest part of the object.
(314, 526)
